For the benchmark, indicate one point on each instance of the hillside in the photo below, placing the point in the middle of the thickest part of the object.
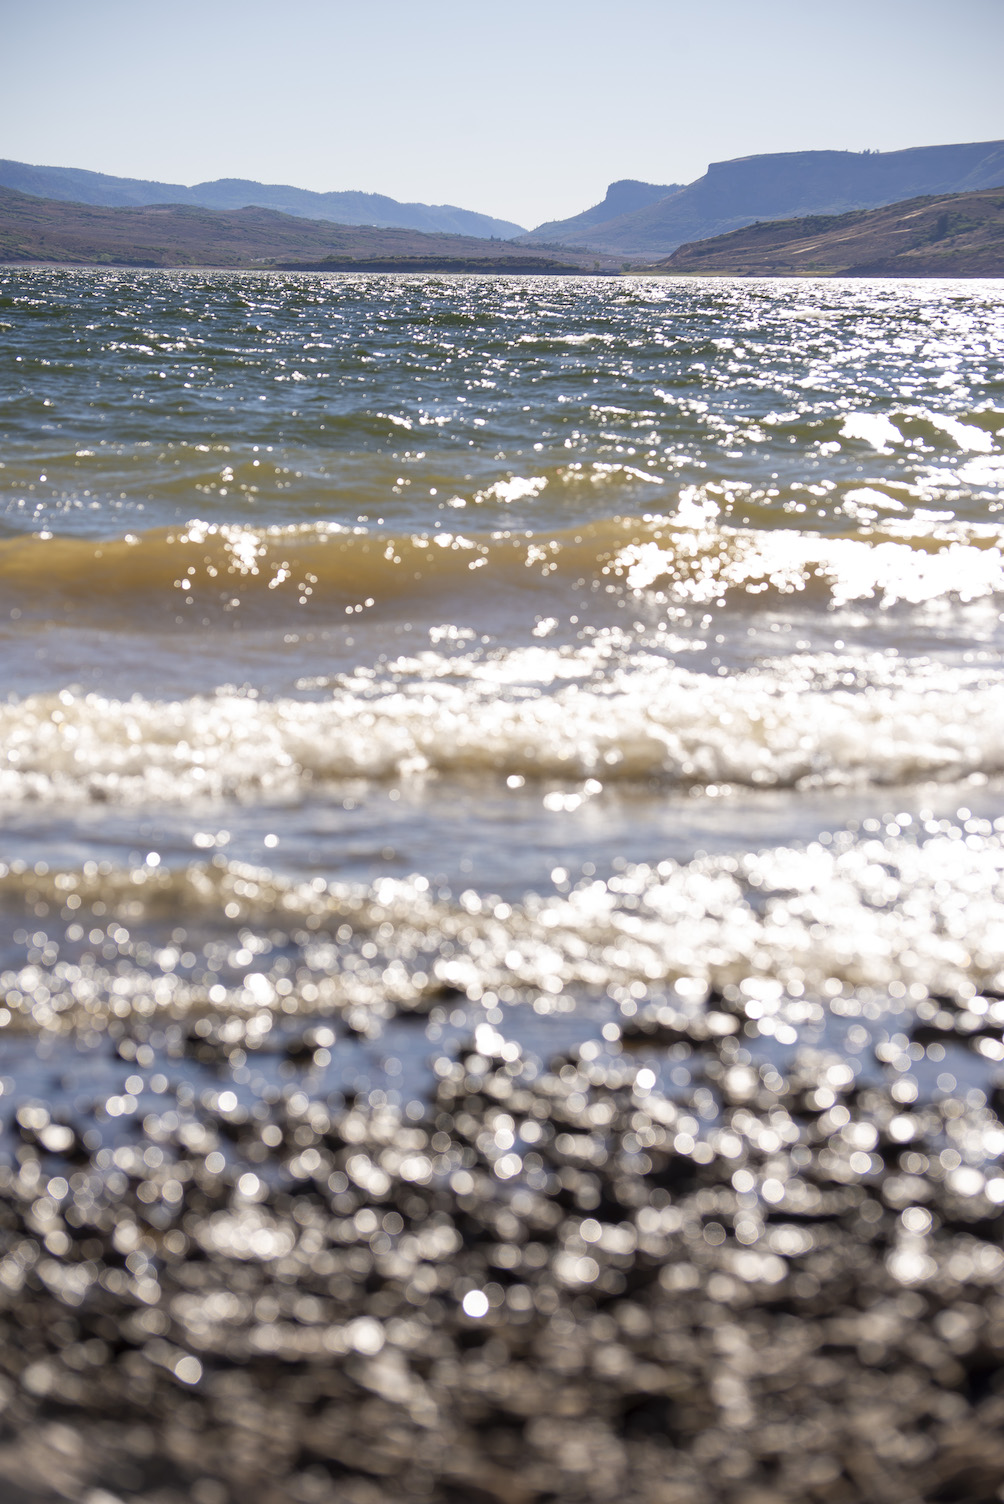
(784, 185)
(955, 235)
(75, 185)
(36, 229)
(623, 197)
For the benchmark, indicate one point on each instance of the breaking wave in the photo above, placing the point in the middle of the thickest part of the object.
(220, 568)
(573, 713)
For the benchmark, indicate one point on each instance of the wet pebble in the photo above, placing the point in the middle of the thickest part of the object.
(544, 1283)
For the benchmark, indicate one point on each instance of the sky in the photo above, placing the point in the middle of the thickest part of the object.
(524, 110)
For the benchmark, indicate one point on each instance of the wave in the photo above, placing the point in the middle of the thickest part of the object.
(901, 915)
(208, 570)
(588, 713)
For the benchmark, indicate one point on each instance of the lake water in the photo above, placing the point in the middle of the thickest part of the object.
(558, 641)
(501, 875)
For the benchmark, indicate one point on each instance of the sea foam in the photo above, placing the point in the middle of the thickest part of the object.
(546, 713)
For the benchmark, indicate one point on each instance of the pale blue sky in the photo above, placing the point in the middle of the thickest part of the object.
(525, 109)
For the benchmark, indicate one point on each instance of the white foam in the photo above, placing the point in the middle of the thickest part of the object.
(594, 711)
(966, 435)
(699, 566)
(865, 503)
(517, 488)
(985, 475)
(871, 428)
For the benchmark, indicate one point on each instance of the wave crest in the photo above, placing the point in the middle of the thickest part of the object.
(540, 713)
(274, 572)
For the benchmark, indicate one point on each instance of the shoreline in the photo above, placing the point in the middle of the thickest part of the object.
(501, 270)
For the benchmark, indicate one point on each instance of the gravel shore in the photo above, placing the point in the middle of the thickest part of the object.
(560, 1282)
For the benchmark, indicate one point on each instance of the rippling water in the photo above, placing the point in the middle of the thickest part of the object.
(555, 641)
(501, 875)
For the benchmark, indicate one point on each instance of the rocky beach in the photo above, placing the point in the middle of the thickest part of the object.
(654, 1268)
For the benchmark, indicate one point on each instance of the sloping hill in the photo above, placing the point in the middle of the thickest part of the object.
(76, 185)
(37, 229)
(955, 235)
(623, 197)
(786, 185)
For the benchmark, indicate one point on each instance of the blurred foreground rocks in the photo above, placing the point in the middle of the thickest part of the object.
(546, 1286)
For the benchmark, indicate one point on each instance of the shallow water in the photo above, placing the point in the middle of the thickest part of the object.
(550, 640)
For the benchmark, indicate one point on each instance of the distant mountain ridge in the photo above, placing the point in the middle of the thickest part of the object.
(79, 186)
(36, 230)
(781, 185)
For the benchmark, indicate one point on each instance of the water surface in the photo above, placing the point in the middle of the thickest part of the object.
(552, 640)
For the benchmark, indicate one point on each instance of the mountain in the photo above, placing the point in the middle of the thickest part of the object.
(37, 229)
(623, 197)
(955, 235)
(783, 185)
(76, 185)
